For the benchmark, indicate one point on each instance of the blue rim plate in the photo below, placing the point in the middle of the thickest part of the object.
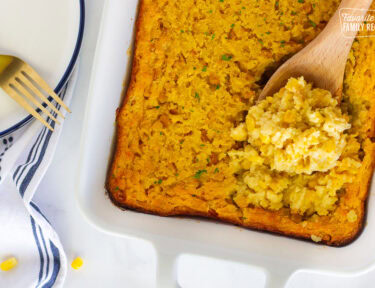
(68, 70)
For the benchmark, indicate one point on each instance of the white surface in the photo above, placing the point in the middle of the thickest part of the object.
(114, 261)
(44, 34)
(206, 237)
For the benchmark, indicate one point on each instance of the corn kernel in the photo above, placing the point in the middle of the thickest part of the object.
(77, 263)
(330, 146)
(9, 264)
(265, 139)
(289, 117)
(239, 133)
(352, 216)
(316, 239)
(250, 123)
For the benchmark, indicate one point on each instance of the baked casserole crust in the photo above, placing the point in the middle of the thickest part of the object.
(198, 67)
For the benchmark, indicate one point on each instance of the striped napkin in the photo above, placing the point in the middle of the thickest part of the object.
(25, 233)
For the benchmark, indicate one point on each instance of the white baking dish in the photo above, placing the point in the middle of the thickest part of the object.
(280, 257)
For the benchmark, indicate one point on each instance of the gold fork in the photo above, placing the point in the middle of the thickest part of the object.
(25, 86)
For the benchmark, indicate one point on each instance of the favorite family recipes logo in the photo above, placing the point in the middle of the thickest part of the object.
(353, 21)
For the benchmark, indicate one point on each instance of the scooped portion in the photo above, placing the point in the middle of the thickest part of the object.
(298, 130)
(298, 151)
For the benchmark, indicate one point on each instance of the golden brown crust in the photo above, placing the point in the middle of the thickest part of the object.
(195, 197)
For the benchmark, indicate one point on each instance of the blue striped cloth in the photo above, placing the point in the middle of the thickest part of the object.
(26, 233)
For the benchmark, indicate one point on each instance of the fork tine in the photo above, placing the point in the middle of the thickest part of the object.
(38, 93)
(35, 76)
(26, 93)
(13, 93)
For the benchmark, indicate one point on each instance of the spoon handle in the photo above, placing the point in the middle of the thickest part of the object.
(329, 51)
(323, 61)
(340, 43)
(356, 8)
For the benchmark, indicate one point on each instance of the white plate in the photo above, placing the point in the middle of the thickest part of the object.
(45, 33)
(278, 257)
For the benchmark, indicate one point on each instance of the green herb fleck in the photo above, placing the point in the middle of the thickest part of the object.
(117, 188)
(213, 36)
(182, 31)
(301, 1)
(193, 195)
(221, 0)
(268, 33)
(197, 96)
(232, 26)
(195, 68)
(157, 107)
(217, 87)
(312, 23)
(260, 41)
(293, 13)
(216, 170)
(226, 57)
(277, 4)
(204, 69)
(210, 11)
(202, 145)
(161, 133)
(160, 181)
(199, 174)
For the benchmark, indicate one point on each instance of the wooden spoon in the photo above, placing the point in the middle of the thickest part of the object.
(323, 61)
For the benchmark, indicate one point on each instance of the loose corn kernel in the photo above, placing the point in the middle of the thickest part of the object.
(77, 263)
(9, 264)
